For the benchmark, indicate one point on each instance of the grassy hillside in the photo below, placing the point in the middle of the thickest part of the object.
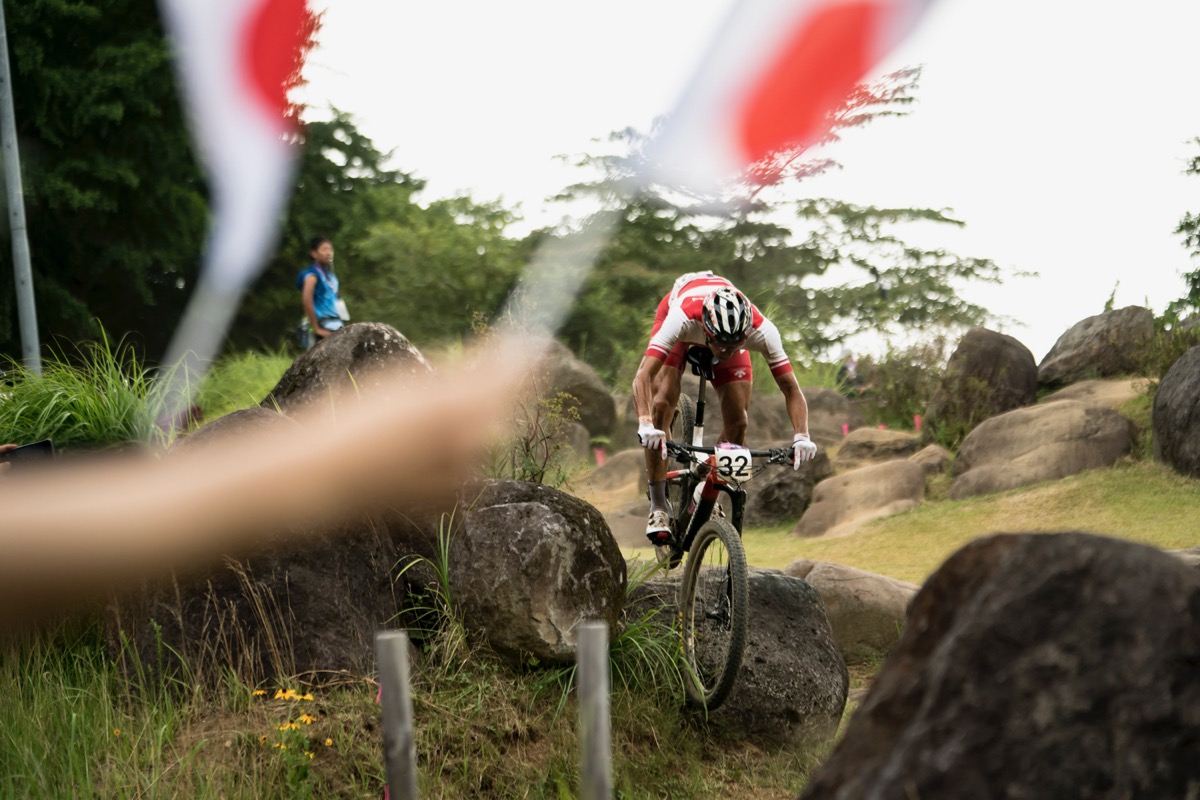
(1141, 501)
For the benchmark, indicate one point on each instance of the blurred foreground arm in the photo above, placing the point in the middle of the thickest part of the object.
(74, 532)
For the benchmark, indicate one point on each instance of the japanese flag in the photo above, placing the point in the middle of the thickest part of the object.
(776, 69)
(234, 59)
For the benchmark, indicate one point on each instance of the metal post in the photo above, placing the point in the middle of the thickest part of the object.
(26, 311)
(594, 733)
(399, 745)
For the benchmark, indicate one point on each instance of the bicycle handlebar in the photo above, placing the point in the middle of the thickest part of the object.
(779, 454)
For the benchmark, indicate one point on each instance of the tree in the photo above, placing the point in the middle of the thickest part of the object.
(434, 272)
(333, 197)
(771, 246)
(1189, 229)
(114, 199)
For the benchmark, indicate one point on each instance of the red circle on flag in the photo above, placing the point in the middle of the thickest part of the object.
(270, 51)
(815, 71)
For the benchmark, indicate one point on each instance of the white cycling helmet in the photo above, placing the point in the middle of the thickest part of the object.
(727, 316)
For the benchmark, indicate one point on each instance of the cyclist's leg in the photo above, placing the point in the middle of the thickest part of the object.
(666, 396)
(666, 389)
(734, 382)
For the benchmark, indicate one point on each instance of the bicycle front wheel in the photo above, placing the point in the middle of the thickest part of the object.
(713, 601)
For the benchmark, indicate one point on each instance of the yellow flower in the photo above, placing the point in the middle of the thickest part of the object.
(310, 755)
(329, 742)
(307, 719)
(262, 740)
(288, 726)
(304, 697)
(280, 745)
(288, 694)
(259, 692)
(116, 731)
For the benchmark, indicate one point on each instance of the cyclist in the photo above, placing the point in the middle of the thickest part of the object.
(705, 309)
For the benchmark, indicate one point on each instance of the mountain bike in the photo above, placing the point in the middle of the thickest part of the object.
(713, 593)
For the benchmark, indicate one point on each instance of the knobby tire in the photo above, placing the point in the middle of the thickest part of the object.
(713, 600)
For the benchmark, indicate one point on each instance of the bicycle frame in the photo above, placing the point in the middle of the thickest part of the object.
(701, 470)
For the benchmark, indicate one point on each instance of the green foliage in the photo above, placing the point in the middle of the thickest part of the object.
(1169, 342)
(239, 381)
(1189, 229)
(339, 167)
(1111, 302)
(114, 198)
(431, 271)
(537, 449)
(903, 381)
(98, 398)
(964, 401)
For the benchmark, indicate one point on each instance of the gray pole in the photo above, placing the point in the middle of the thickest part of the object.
(26, 311)
(399, 738)
(595, 737)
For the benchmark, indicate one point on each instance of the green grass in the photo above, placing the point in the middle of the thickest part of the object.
(1140, 501)
(75, 727)
(95, 397)
(240, 381)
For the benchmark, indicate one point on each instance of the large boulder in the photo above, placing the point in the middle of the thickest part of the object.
(621, 472)
(1102, 346)
(866, 611)
(987, 374)
(875, 445)
(793, 683)
(1176, 415)
(781, 494)
(1034, 666)
(828, 411)
(1110, 393)
(309, 603)
(627, 522)
(356, 358)
(1040, 443)
(934, 459)
(558, 370)
(844, 502)
(528, 565)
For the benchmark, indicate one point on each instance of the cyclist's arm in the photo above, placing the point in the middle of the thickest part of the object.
(797, 406)
(643, 387)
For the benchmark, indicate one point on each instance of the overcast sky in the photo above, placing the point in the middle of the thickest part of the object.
(1058, 131)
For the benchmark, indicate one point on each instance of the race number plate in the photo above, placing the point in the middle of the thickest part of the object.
(734, 463)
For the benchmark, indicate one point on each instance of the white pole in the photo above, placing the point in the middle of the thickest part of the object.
(26, 311)
(399, 744)
(594, 731)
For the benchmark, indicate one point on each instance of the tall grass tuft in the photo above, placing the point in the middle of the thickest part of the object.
(97, 399)
(240, 381)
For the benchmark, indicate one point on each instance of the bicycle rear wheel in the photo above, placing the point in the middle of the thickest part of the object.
(713, 601)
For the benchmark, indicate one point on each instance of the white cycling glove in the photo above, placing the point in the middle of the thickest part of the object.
(651, 437)
(803, 449)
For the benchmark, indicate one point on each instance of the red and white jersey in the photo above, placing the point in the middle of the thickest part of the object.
(678, 320)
